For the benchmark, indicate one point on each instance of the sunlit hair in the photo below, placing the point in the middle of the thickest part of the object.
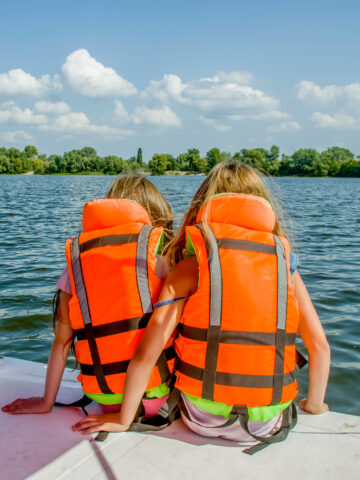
(230, 176)
(138, 188)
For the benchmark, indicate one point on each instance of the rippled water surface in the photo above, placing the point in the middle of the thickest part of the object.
(38, 214)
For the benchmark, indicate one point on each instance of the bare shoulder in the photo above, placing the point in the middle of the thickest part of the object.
(187, 267)
(184, 276)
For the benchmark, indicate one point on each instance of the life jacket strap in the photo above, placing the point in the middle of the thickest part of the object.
(301, 361)
(282, 301)
(235, 379)
(114, 328)
(235, 337)
(142, 269)
(215, 314)
(81, 403)
(288, 422)
(249, 245)
(121, 366)
(163, 367)
(240, 413)
(167, 414)
(108, 240)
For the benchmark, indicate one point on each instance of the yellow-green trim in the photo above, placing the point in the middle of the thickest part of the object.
(117, 398)
(160, 244)
(190, 251)
(256, 414)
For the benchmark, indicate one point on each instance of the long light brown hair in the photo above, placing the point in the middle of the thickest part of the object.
(230, 176)
(138, 188)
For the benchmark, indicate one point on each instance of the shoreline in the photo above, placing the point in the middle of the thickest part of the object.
(149, 174)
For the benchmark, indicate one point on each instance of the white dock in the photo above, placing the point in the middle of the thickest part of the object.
(43, 447)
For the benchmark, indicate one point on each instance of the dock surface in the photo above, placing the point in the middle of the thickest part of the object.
(43, 447)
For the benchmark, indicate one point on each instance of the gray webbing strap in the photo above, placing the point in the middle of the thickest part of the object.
(215, 313)
(282, 299)
(288, 421)
(85, 312)
(234, 379)
(163, 367)
(142, 269)
(108, 240)
(239, 244)
(234, 337)
(165, 416)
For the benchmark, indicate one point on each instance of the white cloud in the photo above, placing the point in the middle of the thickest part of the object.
(220, 99)
(120, 113)
(89, 77)
(55, 108)
(158, 117)
(162, 117)
(77, 123)
(329, 94)
(224, 94)
(267, 116)
(16, 82)
(15, 137)
(213, 123)
(284, 127)
(11, 113)
(169, 88)
(335, 121)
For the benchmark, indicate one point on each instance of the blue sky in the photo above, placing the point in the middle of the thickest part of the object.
(168, 76)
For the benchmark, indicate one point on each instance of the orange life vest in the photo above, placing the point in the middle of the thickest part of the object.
(112, 271)
(237, 333)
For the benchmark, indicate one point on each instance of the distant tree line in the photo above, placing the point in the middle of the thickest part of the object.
(332, 162)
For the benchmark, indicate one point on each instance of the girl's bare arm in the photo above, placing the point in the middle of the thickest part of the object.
(55, 369)
(313, 335)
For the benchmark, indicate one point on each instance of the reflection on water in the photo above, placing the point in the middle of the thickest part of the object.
(38, 214)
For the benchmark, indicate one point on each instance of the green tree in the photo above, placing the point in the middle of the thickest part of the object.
(213, 157)
(87, 152)
(158, 164)
(201, 165)
(182, 162)
(38, 166)
(113, 165)
(253, 157)
(16, 160)
(287, 165)
(171, 162)
(333, 158)
(225, 156)
(193, 157)
(31, 151)
(139, 157)
(4, 164)
(272, 160)
(350, 168)
(305, 160)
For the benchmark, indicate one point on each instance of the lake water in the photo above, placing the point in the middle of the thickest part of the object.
(38, 214)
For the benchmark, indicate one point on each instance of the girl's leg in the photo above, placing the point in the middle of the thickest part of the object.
(209, 425)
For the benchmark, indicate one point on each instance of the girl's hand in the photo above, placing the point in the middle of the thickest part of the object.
(306, 405)
(27, 405)
(109, 422)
